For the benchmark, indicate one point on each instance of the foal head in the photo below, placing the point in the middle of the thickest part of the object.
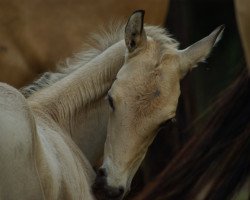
(144, 95)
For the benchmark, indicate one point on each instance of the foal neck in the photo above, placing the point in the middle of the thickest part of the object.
(72, 99)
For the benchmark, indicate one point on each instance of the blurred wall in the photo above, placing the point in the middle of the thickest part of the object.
(36, 34)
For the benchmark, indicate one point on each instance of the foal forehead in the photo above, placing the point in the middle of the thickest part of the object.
(139, 83)
(143, 72)
(143, 61)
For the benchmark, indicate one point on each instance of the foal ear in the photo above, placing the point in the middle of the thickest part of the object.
(199, 51)
(135, 34)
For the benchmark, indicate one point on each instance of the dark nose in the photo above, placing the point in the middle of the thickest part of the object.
(101, 189)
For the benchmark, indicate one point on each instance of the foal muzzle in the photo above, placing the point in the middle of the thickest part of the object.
(101, 189)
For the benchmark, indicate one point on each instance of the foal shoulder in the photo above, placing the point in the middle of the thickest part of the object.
(17, 129)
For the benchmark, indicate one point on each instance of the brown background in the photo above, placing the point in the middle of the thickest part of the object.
(36, 34)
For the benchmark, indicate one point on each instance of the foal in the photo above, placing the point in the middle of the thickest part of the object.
(71, 110)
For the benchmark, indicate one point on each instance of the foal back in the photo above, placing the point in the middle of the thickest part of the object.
(18, 175)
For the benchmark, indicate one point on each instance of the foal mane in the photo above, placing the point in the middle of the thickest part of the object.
(95, 45)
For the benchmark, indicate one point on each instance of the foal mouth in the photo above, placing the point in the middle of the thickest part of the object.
(102, 191)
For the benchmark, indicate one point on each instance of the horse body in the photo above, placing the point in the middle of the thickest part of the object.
(28, 34)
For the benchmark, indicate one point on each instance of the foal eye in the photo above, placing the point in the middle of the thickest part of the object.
(164, 123)
(111, 102)
(167, 122)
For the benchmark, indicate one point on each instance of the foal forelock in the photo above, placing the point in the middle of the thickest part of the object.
(96, 44)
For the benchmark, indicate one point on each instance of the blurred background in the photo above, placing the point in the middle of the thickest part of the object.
(37, 34)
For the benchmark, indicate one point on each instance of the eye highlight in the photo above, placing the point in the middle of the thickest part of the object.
(111, 102)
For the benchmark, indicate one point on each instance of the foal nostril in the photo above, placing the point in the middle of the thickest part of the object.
(101, 172)
(121, 190)
(102, 190)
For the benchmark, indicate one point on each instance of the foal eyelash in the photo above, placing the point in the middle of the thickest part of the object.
(111, 102)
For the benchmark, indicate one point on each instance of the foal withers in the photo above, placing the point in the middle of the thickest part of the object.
(144, 95)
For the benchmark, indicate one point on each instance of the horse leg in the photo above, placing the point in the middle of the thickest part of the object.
(18, 175)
